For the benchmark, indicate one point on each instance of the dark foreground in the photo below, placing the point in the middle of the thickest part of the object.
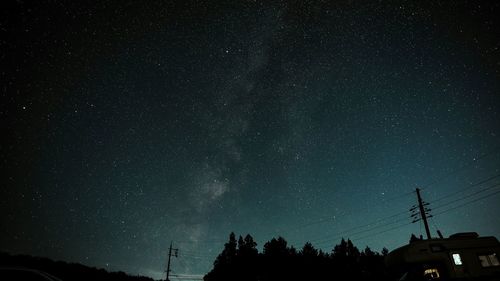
(22, 267)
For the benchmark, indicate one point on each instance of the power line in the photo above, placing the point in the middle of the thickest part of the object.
(192, 253)
(198, 258)
(187, 277)
(469, 202)
(340, 234)
(372, 234)
(327, 219)
(466, 188)
(445, 211)
(461, 168)
(214, 241)
(184, 264)
(337, 235)
(468, 196)
(441, 206)
(378, 221)
(384, 231)
(380, 226)
(332, 218)
(359, 232)
(399, 196)
(363, 231)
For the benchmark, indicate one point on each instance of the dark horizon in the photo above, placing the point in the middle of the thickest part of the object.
(131, 125)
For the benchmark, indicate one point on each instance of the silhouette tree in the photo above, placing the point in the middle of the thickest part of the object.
(352, 251)
(340, 250)
(276, 248)
(229, 253)
(240, 260)
(247, 247)
(312, 264)
(346, 260)
(308, 251)
(368, 252)
(371, 265)
(224, 263)
(278, 260)
(247, 259)
(385, 252)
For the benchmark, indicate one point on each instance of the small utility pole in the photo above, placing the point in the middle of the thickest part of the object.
(422, 214)
(169, 255)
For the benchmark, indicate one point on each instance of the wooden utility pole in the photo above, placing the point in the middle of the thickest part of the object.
(423, 215)
(169, 256)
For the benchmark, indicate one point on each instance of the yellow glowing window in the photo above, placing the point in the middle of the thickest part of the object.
(431, 274)
(457, 259)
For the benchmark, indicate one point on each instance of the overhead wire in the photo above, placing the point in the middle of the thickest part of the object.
(383, 231)
(331, 238)
(399, 196)
(467, 196)
(469, 202)
(442, 212)
(461, 168)
(445, 211)
(186, 277)
(465, 188)
(185, 264)
(358, 232)
(372, 234)
(475, 160)
(377, 223)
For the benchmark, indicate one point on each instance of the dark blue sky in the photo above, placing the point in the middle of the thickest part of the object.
(128, 125)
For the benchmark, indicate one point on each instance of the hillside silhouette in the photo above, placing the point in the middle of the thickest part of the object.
(240, 260)
(62, 270)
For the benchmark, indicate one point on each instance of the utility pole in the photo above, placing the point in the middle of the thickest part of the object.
(422, 214)
(170, 249)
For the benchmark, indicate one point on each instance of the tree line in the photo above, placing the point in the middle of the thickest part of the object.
(240, 260)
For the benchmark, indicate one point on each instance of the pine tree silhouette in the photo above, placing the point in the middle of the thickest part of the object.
(240, 260)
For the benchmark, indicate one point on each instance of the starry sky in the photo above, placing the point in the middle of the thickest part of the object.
(131, 124)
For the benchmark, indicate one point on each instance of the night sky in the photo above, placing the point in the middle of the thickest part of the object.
(131, 124)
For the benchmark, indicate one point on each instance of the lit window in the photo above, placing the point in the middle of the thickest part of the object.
(457, 259)
(431, 274)
(489, 260)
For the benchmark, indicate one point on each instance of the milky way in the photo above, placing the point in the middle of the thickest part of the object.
(131, 125)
